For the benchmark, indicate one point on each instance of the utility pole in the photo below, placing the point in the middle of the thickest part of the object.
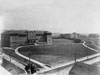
(29, 62)
(30, 69)
(75, 55)
(27, 36)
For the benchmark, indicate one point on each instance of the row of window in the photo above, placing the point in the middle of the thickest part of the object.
(18, 38)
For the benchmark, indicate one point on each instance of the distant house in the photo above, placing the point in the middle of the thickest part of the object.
(66, 36)
(84, 69)
(75, 35)
(43, 37)
(70, 36)
(94, 35)
(13, 38)
(56, 35)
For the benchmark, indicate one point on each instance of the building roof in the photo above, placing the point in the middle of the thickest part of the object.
(84, 69)
(42, 32)
(14, 32)
(24, 32)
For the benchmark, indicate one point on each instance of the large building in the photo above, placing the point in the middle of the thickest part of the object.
(13, 38)
(16, 38)
(40, 37)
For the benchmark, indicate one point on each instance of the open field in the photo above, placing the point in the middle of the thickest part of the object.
(62, 41)
(56, 53)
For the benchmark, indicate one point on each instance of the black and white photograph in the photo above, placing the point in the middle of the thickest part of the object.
(49, 37)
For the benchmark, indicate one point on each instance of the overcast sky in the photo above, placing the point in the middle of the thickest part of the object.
(81, 16)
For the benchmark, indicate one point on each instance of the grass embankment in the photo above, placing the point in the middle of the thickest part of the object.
(96, 43)
(57, 53)
(12, 68)
(91, 42)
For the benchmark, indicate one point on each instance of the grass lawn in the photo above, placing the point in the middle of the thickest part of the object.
(56, 53)
(62, 41)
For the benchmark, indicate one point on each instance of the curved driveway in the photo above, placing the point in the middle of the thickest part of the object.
(61, 65)
(21, 66)
(89, 47)
(32, 60)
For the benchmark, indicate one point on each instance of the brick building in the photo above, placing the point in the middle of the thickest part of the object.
(24, 37)
(13, 38)
(18, 39)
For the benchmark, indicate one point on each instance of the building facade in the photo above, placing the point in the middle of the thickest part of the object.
(75, 35)
(13, 38)
(16, 38)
